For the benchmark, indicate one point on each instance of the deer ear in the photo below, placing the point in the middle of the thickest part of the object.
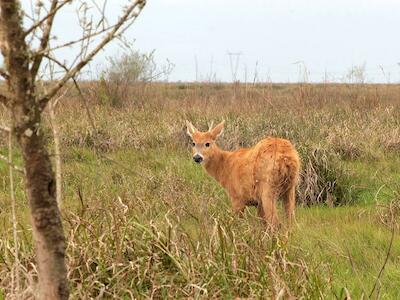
(217, 130)
(190, 129)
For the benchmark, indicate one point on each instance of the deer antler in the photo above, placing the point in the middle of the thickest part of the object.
(210, 126)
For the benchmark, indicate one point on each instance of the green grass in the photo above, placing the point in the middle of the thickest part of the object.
(376, 179)
(353, 244)
(143, 220)
(342, 247)
(348, 241)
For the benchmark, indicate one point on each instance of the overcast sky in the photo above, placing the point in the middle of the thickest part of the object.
(275, 38)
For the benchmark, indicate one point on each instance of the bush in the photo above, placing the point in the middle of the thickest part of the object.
(324, 180)
(130, 70)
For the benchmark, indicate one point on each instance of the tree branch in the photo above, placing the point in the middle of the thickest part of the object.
(57, 148)
(51, 14)
(70, 43)
(45, 38)
(56, 61)
(129, 13)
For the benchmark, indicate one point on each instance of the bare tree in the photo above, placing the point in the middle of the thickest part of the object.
(27, 48)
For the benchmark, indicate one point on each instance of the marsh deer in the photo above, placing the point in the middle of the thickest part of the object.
(256, 176)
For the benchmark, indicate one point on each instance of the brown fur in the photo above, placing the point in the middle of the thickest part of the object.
(252, 176)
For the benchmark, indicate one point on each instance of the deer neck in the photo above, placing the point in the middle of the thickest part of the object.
(217, 165)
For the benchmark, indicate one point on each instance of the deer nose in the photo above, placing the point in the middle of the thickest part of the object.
(197, 158)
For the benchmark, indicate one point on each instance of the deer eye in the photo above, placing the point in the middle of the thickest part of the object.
(207, 145)
(193, 144)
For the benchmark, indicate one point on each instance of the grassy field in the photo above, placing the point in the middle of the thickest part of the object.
(143, 221)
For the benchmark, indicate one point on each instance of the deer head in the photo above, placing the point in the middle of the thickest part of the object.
(203, 143)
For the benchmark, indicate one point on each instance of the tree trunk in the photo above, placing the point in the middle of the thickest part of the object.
(47, 228)
(45, 217)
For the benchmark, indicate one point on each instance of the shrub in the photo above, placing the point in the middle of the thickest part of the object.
(131, 69)
(324, 180)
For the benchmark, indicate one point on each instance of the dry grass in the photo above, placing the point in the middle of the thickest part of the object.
(328, 123)
(143, 222)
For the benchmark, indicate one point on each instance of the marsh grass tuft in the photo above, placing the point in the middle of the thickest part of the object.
(324, 180)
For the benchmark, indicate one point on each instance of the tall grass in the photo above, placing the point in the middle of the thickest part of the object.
(144, 222)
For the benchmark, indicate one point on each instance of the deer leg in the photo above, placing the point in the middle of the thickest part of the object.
(269, 197)
(289, 199)
(260, 211)
(238, 207)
